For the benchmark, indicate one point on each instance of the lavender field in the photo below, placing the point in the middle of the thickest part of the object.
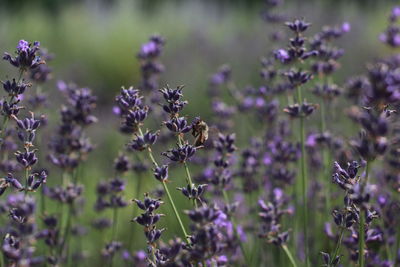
(259, 133)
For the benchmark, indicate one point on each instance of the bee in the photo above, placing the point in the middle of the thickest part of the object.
(200, 132)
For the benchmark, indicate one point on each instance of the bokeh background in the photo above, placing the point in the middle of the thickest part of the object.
(95, 43)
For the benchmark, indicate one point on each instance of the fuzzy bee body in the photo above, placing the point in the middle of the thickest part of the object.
(200, 132)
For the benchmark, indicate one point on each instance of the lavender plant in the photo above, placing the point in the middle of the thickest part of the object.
(253, 173)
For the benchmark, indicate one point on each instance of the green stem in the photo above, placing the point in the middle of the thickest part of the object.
(2, 264)
(176, 212)
(153, 255)
(66, 233)
(326, 161)
(188, 176)
(115, 224)
(361, 237)
(299, 95)
(289, 255)
(67, 230)
(114, 231)
(388, 252)
(42, 201)
(304, 188)
(243, 250)
(361, 232)
(303, 180)
(137, 192)
(338, 244)
(62, 215)
(171, 201)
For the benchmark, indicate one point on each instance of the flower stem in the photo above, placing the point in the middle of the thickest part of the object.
(188, 176)
(67, 229)
(387, 248)
(171, 201)
(2, 262)
(338, 244)
(325, 157)
(115, 224)
(114, 231)
(361, 232)
(289, 255)
(303, 180)
(66, 233)
(176, 212)
(361, 237)
(43, 201)
(304, 189)
(137, 192)
(153, 255)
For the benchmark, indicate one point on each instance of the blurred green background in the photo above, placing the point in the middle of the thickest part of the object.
(95, 42)
(95, 45)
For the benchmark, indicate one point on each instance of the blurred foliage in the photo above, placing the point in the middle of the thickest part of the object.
(95, 42)
(154, 5)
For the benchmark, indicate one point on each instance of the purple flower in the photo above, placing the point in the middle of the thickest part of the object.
(222, 76)
(395, 13)
(150, 67)
(27, 127)
(22, 46)
(111, 248)
(297, 78)
(303, 110)
(127, 100)
(153, 48)
(346, 27)
(204, 215)
(117, 185)
(9, 181)
(161, 173)
(27, 159)
(178, 125)
(180, 154)
(192, 191)
(13, 88)
(282, 55)
(149, 218)
(122, 164)
(149, 49)
(142, 142)
(149, 204)
(298, 26)
(26, 56)
(173, 98)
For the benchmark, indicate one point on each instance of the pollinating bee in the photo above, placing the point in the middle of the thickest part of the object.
(200, 132)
